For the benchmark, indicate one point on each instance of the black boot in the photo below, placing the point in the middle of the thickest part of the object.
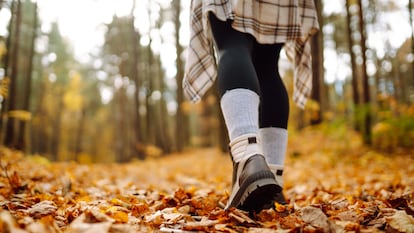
(277, 170)
(254, 186)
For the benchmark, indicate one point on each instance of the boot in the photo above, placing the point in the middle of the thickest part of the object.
(277, 170)
(253, 186)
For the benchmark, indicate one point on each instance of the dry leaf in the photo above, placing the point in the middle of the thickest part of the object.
(187, 193)
(91, 221)
(316, 218)
(82, 227)
(201, 225)
(7, 223)
(264, 230)
(401, 222)
(42, 208)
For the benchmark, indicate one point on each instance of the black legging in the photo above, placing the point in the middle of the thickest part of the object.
(244, 63)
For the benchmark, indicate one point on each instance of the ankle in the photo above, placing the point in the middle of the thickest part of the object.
(244, 147)
(277, 170)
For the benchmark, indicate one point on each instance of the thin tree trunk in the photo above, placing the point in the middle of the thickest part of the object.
(410, 11)
(38, 136)
(398, 82)
(57, 127)
(150, 136)
(11, 130)
(79, 134)
(355, 92)
(7, 57)
(365, 82)
(22, 134)
(318, 81)
(135, 77)
(181, 120)
(160, 114)
(165, 126)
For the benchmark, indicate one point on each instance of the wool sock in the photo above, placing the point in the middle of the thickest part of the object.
(240, 109)
(274, 143)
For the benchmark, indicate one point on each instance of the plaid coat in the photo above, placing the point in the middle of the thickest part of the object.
(291, 22)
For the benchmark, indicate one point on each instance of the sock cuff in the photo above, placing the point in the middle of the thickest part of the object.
(240, 108)
(245, 146)
(274, 141)
(271, 132)
(236, 92)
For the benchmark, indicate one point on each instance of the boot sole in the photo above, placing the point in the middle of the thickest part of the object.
(256, 192)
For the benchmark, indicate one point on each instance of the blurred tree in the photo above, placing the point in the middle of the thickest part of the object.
(182, 133)
(158, 91)
(135, 76)
(402, 66)
(119, 58)
(366, 111)
(74, 116)
(57, 59)
(358, 50)
(355, 90)
(31, 23)
(18, 66)
(12, 71)
(411, 22)
(318, 81)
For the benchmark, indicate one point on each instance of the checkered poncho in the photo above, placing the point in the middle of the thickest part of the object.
(291, 22)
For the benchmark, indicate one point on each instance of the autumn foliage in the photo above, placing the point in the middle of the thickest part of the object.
(333, 184)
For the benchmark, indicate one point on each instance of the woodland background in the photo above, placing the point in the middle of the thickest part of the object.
(123, 107)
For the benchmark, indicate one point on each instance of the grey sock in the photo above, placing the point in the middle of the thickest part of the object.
(240, 109)
(274, 143)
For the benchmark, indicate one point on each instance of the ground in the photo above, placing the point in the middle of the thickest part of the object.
(333, 184)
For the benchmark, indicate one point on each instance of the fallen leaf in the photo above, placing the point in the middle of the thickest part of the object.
(316, 218)
(401, 222)
(42, 208)
(201, 225)
(82, 227)
(7, 223)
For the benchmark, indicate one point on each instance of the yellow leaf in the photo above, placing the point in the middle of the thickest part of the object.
(20, 115)
(3, 49)
(119, 216)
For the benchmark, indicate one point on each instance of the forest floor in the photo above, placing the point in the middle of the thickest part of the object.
(333, 183)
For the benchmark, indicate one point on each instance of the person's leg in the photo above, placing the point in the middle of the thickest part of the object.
(254, 185)
(274, 109)
(236, 79)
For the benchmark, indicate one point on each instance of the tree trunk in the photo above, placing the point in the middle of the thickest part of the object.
(122, 122)
(57, 127)
(181, 120)
(7, 57)
(135, 77)
(79, 134)
(365, 82)
(165, 132)
(355, 91)
(22, 134)
(318, 82)
(160, 119)
(11, 130)
(39, 137)
(397, 81)
(410, 11)
(149, 135)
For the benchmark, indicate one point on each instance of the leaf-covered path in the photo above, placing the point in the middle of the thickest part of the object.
(333, 185)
